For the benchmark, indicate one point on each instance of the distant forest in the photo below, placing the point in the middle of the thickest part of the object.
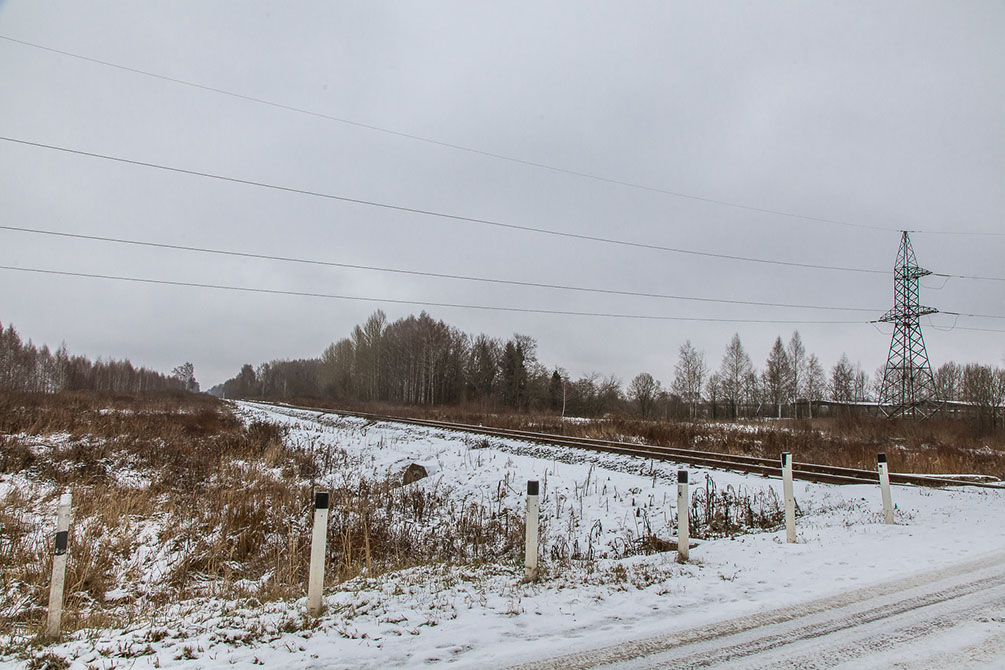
(27, 368)
(418, 360)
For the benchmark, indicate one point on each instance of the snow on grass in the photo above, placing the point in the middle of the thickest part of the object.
(595, 589)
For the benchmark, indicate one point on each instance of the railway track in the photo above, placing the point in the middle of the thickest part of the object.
(824, 474)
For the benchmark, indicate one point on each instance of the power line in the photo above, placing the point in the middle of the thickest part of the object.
(975, 316)
(457, 217)
(441, 275)
(448, 145)
(974, 233)
(976, 277)
(419, 303)
(955, 325)
(483, 152)
(419, 273)
(980, 330)
(443, 215)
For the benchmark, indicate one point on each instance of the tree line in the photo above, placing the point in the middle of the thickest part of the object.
(27, 368)
(418, 360)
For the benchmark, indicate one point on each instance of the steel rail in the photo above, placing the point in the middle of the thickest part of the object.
(823, 474)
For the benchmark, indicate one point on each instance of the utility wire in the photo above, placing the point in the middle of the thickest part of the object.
(958, 327)
(439, 275)
(457, 217)
(481, 152)
(448, 145)
(981, 330)
(975, 316)
(443, 215)
(420, 303)
(944, 329)
(977, 277)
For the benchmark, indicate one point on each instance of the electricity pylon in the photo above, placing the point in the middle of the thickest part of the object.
(908, 385)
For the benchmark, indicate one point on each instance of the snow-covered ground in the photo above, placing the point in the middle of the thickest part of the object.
(592, 505)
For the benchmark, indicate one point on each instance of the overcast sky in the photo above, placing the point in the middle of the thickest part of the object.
(883, 115)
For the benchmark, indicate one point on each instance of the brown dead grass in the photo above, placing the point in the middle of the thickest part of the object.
(935, 446)
(231, 503)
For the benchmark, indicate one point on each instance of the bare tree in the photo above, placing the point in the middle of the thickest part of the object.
(797, 371)
(984, 387)
(777, 375)
(609, 394)
(643, 391)
(753, 392)
(689, 376)
(816, 382)
(948, 380)
(876, 383)
(336, 371)
(366, 340)
(734, 372)
(860, 385)
(593, 395)
(843, 380)
(185, 374)
(483, 367)
(713, 390)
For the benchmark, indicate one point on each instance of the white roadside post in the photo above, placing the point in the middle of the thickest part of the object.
(884, 484)
(533, 514)
(790, 503)
(316, 580)
(59, 567)
(683, 506)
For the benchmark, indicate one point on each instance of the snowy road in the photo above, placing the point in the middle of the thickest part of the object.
(950, 618)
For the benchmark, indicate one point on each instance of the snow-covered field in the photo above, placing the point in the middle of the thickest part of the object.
(593, 506)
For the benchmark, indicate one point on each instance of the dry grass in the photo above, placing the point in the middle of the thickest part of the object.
(228, 507)
(727, 512)
(936, 446)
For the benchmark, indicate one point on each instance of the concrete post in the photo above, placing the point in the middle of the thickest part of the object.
(533, 516)
(884, 484)
(683, 506)
(790, 502)
(316, 579)
(59, 567)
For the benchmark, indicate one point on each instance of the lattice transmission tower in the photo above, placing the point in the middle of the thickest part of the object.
(908, 385)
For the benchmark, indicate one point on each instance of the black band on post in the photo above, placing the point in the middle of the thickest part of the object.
(785, 458)
(62, 539)
(881, 458)
(532, 487)
(682, 476)
(321, 500)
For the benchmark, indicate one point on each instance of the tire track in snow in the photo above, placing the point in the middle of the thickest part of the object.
(927, 602)
(852, 639)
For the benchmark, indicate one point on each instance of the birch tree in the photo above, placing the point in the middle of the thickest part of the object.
(777, 375)
(797, 371)
(843, 380)
(689, 376)
(734, 372)
(816, 382)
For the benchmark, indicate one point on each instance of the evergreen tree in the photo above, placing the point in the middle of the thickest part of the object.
(556, 393)
(514, 376)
